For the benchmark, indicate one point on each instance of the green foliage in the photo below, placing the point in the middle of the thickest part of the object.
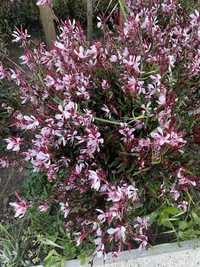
(26, 14)
(17, 13)
(36, 186)
(189, 5)
(38, 238)
(8, 97)
(173, 224)
(14, 244)
(70, 8)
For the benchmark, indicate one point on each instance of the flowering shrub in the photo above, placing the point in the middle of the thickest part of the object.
(103, 122)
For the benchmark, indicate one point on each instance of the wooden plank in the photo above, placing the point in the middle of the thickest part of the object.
(47, 20)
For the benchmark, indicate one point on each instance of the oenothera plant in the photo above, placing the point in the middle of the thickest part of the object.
(101, 122)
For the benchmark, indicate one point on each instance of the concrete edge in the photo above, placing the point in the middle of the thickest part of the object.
(183, 254)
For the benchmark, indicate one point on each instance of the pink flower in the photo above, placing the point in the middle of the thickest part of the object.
(183, 206)
(106, 111)
(109, 216)
(122, 193)
(118, 233)
(64, 207)
(105, 85)
(14, 143)
(195, 18)
(2, 72)
(20, 35)
(44, 2)
(162, 137)
(162, 99)
(132, 86)
(93, 140)
(133, 62)
(99, 23)
(185, 180)
(159, 136)
(81, 237)
(59, 45)
(29, 122)
(44, 207)
(52, 171)
(95, 180)
(67, 110)
(49, 81)
(82, 53)
(15, 76)
(168, 6)
(20, 208)
(4, 163)
(141, 225)
(41, 159)
(26, 59)
(143, 241)
(115, 195)
(113, 59)
(127, 133)
(175, 193)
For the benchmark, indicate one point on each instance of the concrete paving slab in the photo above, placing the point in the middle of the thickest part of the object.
(184, 254)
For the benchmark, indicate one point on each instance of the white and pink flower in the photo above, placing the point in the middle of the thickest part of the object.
(44, 2)
(20, 208)
(14, 143)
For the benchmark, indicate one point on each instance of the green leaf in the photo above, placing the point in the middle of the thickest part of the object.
(83, 258)
(196, 218)
(183, 225)
(165, 216)
(49, 242)
(153, 217)
(53, 259)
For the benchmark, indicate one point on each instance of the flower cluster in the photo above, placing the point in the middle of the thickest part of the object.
(102, 123)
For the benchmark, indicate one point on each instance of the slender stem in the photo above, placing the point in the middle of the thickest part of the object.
(141, 171)
(119, 123)
(11, 61)
(150, 72)
(123, 8)
(108, 121)
(136, 119)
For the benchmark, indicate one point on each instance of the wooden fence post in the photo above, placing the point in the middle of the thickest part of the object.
(47, 20)
(89, 19)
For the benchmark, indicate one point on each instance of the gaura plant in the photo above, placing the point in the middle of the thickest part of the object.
(103, 122)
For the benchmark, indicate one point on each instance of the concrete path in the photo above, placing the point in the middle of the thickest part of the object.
(186, 254)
